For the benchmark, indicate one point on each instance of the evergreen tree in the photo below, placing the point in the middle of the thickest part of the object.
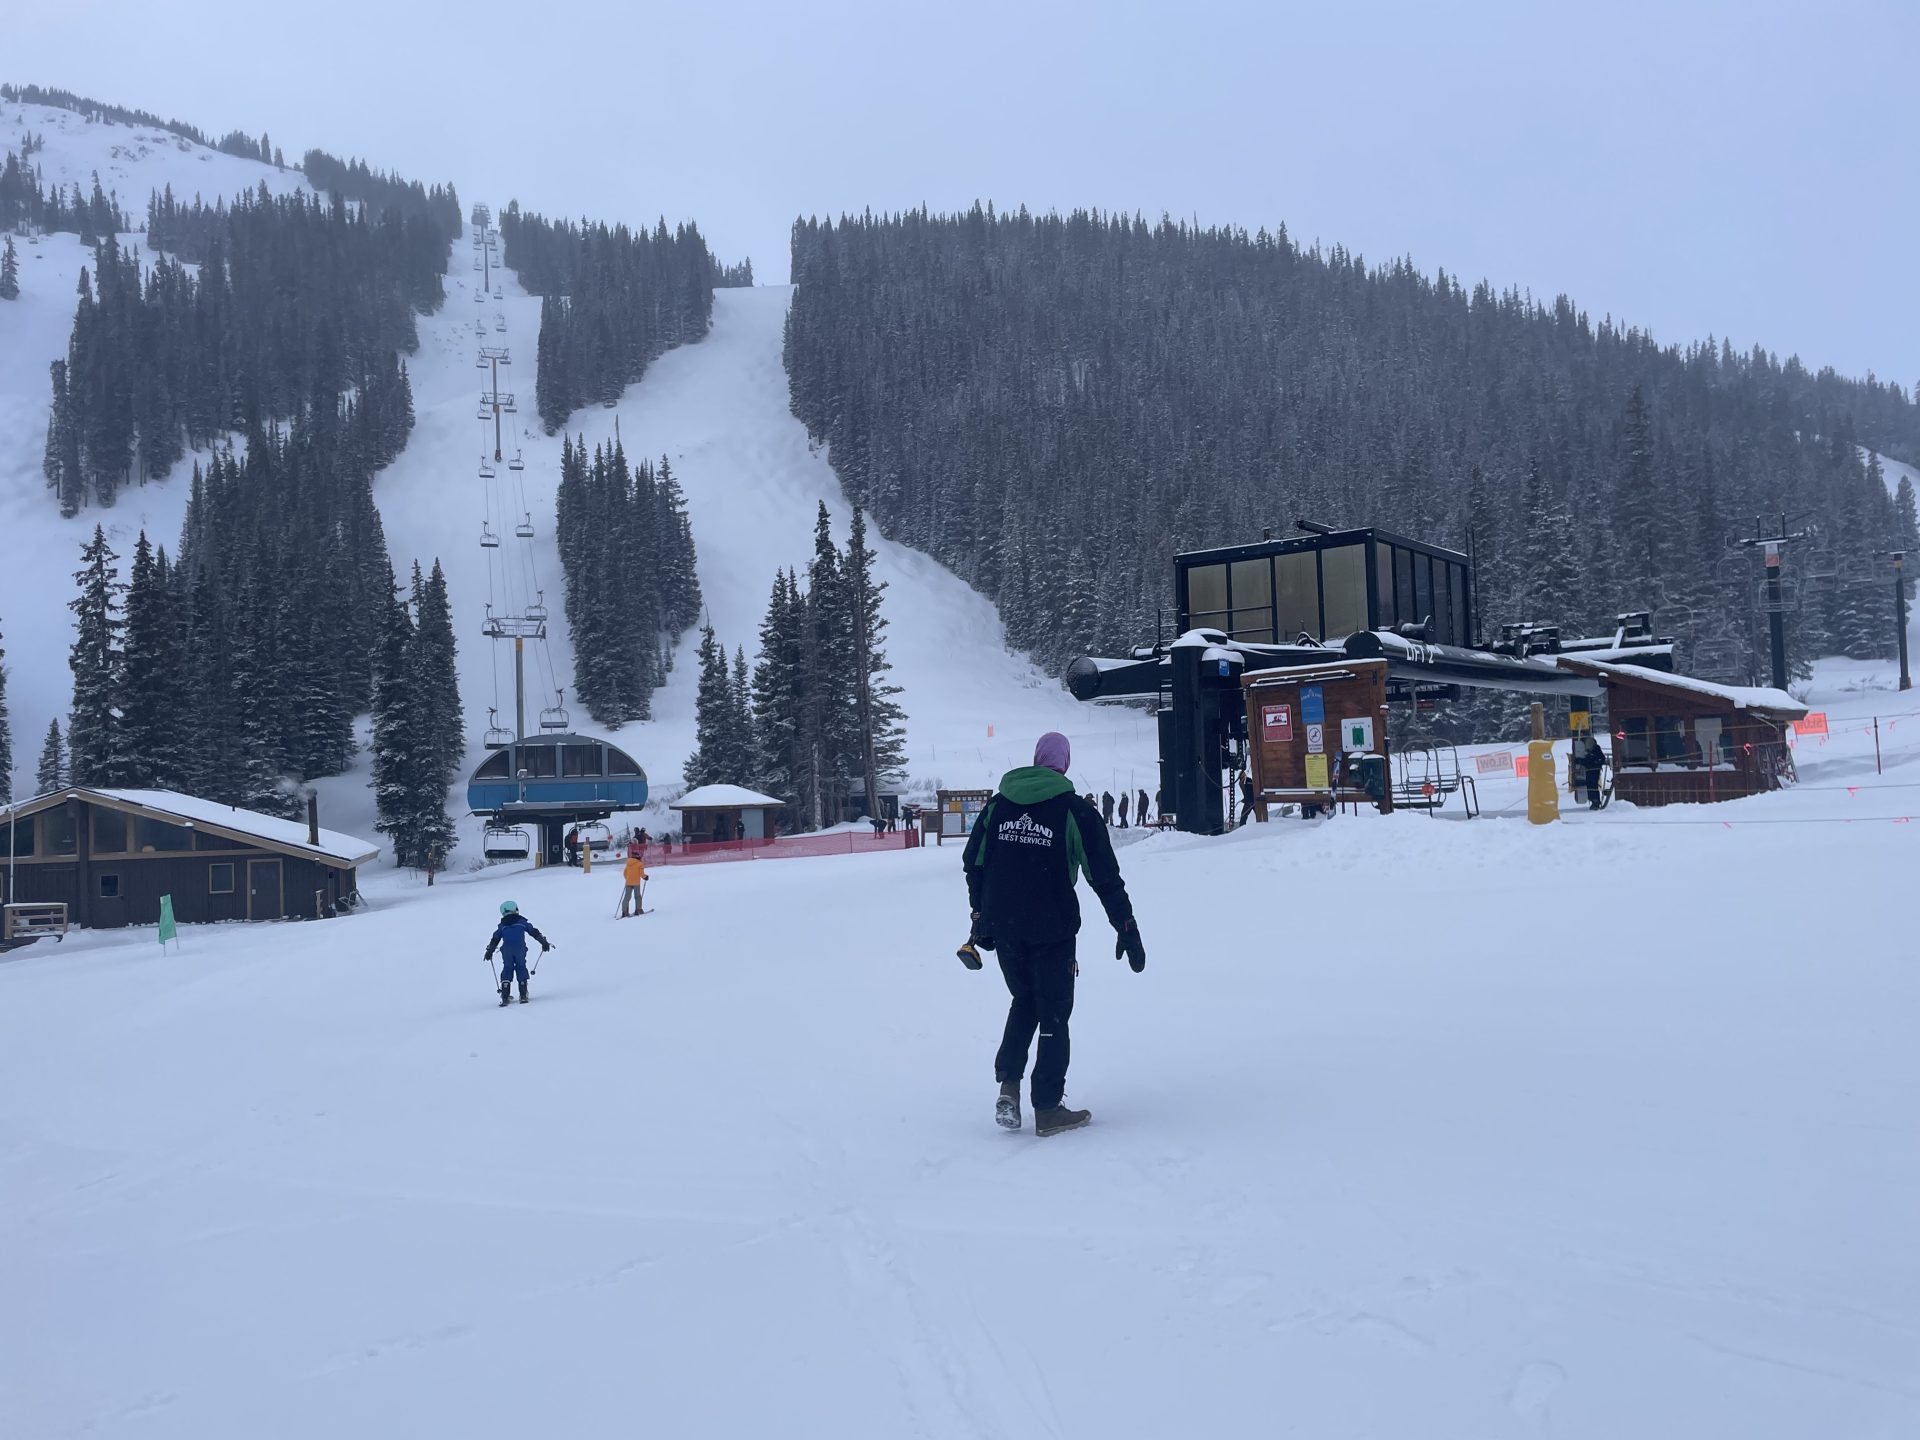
(776, 693)
(878, 717)
(437, 679)
(824, 733)
(9, 271)
(154, 696)
(95, 738)
(713, 717)
(742, 749)
(393, 742)
(52, 772)
(1907, 527)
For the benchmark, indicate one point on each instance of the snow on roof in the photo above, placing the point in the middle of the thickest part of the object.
(1741, 697)
(284, 834)
(723, 797)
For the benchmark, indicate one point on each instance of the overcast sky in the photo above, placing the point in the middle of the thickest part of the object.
(1744, 169)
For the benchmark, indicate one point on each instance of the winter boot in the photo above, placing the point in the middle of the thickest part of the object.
(506, 991)
(1056, 1118)
(523, 992)
(1006, 1110)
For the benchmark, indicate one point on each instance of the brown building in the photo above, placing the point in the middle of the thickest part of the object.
(1675, 740)
(109, 855)
(716, 813)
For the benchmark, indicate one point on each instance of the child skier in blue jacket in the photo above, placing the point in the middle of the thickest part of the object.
(510, 937)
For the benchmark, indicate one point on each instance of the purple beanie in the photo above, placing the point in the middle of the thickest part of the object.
(1053, 752)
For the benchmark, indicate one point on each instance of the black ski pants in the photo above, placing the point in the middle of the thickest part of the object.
(1040, 978)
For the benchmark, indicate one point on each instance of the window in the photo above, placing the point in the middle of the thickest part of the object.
(538, 761)
(1462, 627)
(1423, 591)
(1630, 741)
(109, 887)
(220, 878)
(1343, 590)
(1383, 617)
(1296, 595)
(158, 835)
(497, 767)
(205, 840)
(1442, 603)
(620, 763)
(1207, 596)
(58, 834)
(109, 832)
(579, 759)
(1403, 586)
(1670, 740)
(17, 841)
(1252, 599)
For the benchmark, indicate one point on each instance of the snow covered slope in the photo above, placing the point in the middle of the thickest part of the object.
(42, 550)
(1607, 1131)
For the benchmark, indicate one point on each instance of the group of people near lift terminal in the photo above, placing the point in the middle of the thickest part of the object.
(1107, 807)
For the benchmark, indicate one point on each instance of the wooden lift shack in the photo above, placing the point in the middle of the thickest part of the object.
(1318, 736)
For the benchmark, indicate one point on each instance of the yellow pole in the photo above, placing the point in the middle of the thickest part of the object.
(1543, 796)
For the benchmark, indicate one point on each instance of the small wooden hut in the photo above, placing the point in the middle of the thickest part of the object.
(714, 813)
(1676, 740)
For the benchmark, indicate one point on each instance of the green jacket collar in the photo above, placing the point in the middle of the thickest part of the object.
(1031, 784)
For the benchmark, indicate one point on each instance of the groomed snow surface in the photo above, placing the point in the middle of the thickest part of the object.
(1411, 1128)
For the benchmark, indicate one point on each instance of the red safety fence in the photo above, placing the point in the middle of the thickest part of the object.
(784, 847)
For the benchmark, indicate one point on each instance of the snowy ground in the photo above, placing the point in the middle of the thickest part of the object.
(1412, 1127)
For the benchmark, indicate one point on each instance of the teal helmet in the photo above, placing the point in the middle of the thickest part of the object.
(507, 907)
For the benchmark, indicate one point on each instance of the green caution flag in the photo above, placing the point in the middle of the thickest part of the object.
(168, 930)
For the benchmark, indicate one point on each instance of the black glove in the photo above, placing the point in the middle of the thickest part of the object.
(545, 948)
(1127, 943)
(985, 942)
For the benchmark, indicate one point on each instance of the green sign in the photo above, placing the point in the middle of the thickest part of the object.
(168, 930)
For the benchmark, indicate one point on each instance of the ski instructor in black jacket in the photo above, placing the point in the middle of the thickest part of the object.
(1026, 851)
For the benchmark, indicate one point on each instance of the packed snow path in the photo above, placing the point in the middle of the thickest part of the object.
(1597, 1131)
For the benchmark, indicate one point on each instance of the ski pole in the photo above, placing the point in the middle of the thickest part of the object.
(488, 957)
(543, 955)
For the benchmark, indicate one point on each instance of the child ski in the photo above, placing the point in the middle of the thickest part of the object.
(510, 938)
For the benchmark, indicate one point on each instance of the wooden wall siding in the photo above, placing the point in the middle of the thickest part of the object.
(310, 888)
(1678, 782)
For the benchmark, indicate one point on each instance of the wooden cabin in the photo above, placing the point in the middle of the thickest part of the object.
(109, 855)
(1676, 740)
(714, 814)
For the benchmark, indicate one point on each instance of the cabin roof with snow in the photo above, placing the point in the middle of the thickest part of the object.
(1763, 700)
(725, 797)
(266, 832)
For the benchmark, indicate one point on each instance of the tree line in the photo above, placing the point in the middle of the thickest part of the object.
(98, 110)
(626, 551)
(384, 194)
(24, 206)
(1053, 405)
(235, 669)
(295, 297)
(613, 300)
(816, 723)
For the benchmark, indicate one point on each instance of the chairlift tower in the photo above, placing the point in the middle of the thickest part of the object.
(519, 629)
(492, 399)
(1772, 546)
